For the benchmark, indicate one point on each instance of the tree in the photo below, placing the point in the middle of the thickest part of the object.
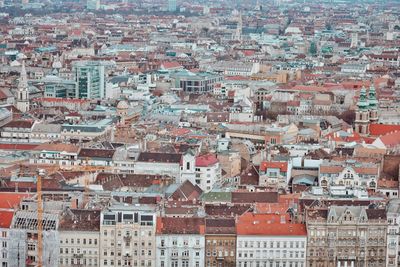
(348, 116)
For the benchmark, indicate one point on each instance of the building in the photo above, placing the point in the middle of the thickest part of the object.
(207, 171)
(352, 236)
(275, 174)
(127, 236)
(367, 111)
(195, 83)
(393, 242)
(23, 91)
(79, 232)
(58, 87)
(349, 174)
(93, 4)
(90, 79)
(171, 5)
(27, 221)
(180, 242)
(220, 242)
(270, 240)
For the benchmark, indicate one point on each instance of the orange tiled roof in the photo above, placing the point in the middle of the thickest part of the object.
(283, 166)
(269, 225)
(6, 218)
(382, 129)
(11, 200)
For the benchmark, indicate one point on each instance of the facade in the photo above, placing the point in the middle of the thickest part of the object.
(127, 236)
(13, 245)
(393, 242)
(350, 174)
(220, 242)
(171, 5)
(275, 174)
(207, 171)
(58, 87)
(195, 83)
(90, 79)
(180, 242)
(26, 221)
(79, 232)
(346, 236)
(270, 240)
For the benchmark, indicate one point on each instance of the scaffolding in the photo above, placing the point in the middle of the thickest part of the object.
(28, 222)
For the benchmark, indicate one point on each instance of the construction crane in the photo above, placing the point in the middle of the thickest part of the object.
(40, 173)
(89, 169)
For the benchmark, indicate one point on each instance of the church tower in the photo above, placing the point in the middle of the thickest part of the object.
(373, 105)
(362, 114)
(23, 93)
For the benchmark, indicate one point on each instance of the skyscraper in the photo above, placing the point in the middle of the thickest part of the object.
(23, 93)
(171, 5)
(93, 4)
(89, 79)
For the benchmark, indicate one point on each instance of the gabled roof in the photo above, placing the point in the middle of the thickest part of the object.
(391, 139)
(187, 191)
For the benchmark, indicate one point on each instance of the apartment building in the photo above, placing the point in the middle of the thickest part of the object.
(79, 235)
(220, 242)
(180, 242)
(127, 235)
(350, 236)
(270, 240)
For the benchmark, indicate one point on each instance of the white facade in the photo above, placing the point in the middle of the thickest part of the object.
(207, 177)
(13, 247)
(256, 251)
(180, 250)
(79, 248)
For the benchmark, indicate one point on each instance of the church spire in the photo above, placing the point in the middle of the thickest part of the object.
(23, 93)
(23, 80)
(362, 103)
(373, 102)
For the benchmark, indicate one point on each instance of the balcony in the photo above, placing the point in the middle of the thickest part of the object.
(78, 255)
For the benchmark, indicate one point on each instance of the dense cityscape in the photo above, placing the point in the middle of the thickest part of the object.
(199, 133)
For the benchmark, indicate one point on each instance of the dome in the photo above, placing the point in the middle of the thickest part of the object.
(122, 105)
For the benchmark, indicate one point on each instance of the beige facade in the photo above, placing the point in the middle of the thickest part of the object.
(346, 237)
(127, 236)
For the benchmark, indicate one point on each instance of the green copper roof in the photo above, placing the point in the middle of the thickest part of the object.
(362, 101)
(373, 102)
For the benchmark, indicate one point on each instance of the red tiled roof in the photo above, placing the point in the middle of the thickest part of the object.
(17, 146)
(391, 139)
(6, 218)
(171, 65)
(382, 129)
(11, 200)
(283, 166)
(19, 124)
(171, 225)
(206, 160)
(268, 225)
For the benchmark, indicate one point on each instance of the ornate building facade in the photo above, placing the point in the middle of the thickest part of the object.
(346, 236)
